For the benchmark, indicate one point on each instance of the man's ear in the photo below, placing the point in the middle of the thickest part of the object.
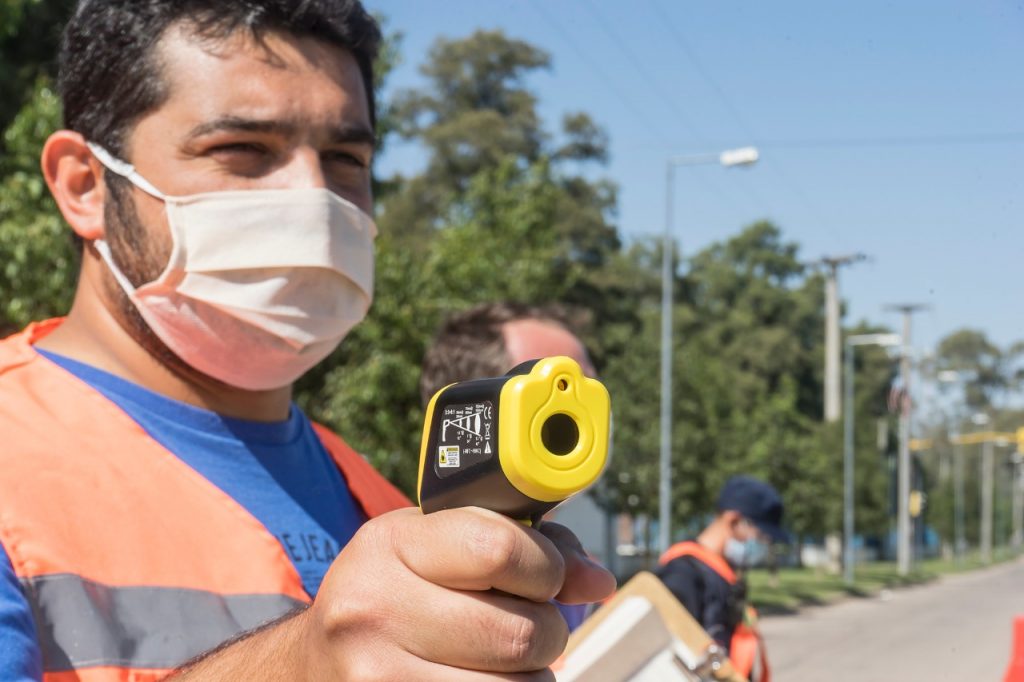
(732, 518)
(75, 179)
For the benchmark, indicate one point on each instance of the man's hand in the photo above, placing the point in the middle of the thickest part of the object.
(458, 595)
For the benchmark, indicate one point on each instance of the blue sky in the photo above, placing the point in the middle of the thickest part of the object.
(892, 128)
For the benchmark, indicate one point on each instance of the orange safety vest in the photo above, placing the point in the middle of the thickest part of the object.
(133, 562)
(746, 649)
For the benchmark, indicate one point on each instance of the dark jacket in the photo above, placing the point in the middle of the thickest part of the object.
(717, 605)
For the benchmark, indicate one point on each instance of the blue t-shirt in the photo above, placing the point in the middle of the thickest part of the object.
(279, 472)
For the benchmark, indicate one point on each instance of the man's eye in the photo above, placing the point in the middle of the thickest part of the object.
(344, 158)
(240, 148)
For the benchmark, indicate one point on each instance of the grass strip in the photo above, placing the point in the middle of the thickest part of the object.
(792, 588)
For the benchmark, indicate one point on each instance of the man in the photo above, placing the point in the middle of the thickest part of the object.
(706, 574)
(160, 494)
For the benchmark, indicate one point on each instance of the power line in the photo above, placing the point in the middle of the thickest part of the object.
(642, 70)
(609, 82)
(594, 66)
(667, 97)
(698, 66)
(684, 45)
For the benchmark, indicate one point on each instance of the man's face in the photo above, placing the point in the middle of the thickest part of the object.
(532, 339)
(284, 113)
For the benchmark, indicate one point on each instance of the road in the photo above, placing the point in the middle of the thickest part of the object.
(958, 628)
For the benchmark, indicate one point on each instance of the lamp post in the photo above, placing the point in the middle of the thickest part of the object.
(958, 378)
(988, 495)
(744, 156)
(1017, 501)
(984, 492)
(851, 342)
(903, 522)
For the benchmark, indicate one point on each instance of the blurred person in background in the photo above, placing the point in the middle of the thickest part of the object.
(488, 340)
(706, 574)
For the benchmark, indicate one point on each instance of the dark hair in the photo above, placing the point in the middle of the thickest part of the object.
(471, 344)
(110, 75)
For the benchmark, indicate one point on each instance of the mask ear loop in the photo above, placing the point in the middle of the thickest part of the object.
(104, 250)
(124, 169)
(128, 172)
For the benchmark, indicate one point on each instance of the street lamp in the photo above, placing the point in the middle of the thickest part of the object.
(903, 474)
(744, 156)
(988, 494)
(958, 378)
(1017, 501)
(851, 341)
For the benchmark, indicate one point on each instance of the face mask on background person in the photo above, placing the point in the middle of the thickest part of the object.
(745, 554)
(260, 285)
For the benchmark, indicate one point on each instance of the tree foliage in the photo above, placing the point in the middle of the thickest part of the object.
(989, 371)
(38, 264)
(29, 36)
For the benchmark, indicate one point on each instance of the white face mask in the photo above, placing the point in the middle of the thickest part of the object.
(745, 554)
(261, 284)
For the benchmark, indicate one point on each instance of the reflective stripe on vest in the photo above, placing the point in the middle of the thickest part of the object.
(160, 623)
(132, 561)
(746, 646)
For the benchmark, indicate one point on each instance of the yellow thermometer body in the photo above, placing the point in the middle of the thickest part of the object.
(518, 444)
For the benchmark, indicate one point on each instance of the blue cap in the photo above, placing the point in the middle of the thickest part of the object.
(758, 501)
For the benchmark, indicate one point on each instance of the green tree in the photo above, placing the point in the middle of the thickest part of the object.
(29, 37)
(985, 366)
(749, 375)
(474, 112)
(748, 334)
(38, 264)
(627, 353)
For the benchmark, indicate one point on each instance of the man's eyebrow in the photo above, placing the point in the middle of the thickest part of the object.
(355, 133)
(240, 124)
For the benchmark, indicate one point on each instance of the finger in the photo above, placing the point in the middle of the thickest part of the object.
(475, 549)
(586, 581)
(484, 630)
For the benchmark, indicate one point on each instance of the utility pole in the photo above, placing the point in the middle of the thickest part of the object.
(1018, 501)
(903, 530)
(987, 483)
(959, 543)
(832, 344)
(1018, 492)
(848, 441)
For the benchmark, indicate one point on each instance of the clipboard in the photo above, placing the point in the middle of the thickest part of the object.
(643, 634)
